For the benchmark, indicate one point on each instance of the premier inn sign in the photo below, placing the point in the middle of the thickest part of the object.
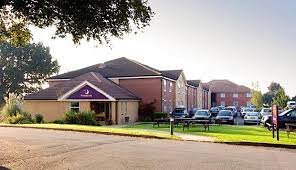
(87, 92)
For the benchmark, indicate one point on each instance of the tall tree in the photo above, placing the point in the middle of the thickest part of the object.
(267, 98)
(274, 88)
(24, 69)
(90, 19)
(281, 98)
(257, 99)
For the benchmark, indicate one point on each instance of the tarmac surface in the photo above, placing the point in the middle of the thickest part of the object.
(49, 149)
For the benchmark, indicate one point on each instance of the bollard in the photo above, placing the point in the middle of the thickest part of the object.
(172, 125)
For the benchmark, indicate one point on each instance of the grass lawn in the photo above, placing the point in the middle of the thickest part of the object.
(99, 129)
(227, 133)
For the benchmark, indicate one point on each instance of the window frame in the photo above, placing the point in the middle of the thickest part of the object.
(73, 108)
(235, 95)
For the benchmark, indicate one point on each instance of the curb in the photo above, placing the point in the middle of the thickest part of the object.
(268, 145)
(96, 132)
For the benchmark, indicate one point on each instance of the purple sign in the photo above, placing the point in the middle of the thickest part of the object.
(87, 92)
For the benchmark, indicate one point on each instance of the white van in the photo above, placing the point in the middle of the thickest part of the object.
(291, 104)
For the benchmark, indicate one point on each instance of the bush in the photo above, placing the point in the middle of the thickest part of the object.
(12, 106)
(39, 118)
(86, 118)
(20, 118)
(59, 122)
(146, 111)
(82, 118)
(70, 117)
(159, 115)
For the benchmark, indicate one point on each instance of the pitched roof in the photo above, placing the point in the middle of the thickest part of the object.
(227, 86)
(194, 83)
(172, 74)
(96, 79)
(120, 67)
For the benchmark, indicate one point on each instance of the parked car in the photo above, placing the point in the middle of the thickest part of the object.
(251, 118)
(265, 112)
(246, 110)
(214, 111)
(192, 112)
(221, 107)
(291, 104)
(224, 116)
(179, 112)
(233, 109)
(288, 116)
(202, 115)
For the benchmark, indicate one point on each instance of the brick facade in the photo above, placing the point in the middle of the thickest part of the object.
(232, 99)
(148, 89)
(168, 95)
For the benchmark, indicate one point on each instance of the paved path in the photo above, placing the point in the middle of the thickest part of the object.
(49, 149)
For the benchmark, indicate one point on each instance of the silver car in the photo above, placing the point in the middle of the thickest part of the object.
(251, 118)
(202, 115)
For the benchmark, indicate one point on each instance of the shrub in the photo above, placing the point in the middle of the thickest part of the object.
(20, 118)
(39, 118)
(146, 111)
(12, 106)
(86, 118)
(82, 118)
(70, 117)
(158, 115)
(59, 122)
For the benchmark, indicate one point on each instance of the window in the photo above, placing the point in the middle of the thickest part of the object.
(222, 103)
(171, 86)
(164, 85)
(222, 95)
(179, 86)
(235, 95)
(293, 113)
(248, 95)
(74, 106)
(235, 103)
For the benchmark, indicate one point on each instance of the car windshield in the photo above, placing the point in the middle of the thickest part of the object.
(285, 112)
(201, 113)
(229, 108)
(224, 113)
(252, 114)
(179, 111)
(214, 109)
(248, 110)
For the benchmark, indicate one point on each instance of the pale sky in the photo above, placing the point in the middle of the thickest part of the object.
(243, 41)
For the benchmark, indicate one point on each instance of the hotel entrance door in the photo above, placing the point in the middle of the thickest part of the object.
(102, 111)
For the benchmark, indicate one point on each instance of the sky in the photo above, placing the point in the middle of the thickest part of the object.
(242, 41)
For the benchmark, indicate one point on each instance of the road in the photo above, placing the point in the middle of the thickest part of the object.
(49, 149)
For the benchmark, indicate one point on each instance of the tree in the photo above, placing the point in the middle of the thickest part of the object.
(274, 88)
(267, 98)
(24, 69)
(98, 20)
(257, 98)
(281, 98)
(294, 98)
